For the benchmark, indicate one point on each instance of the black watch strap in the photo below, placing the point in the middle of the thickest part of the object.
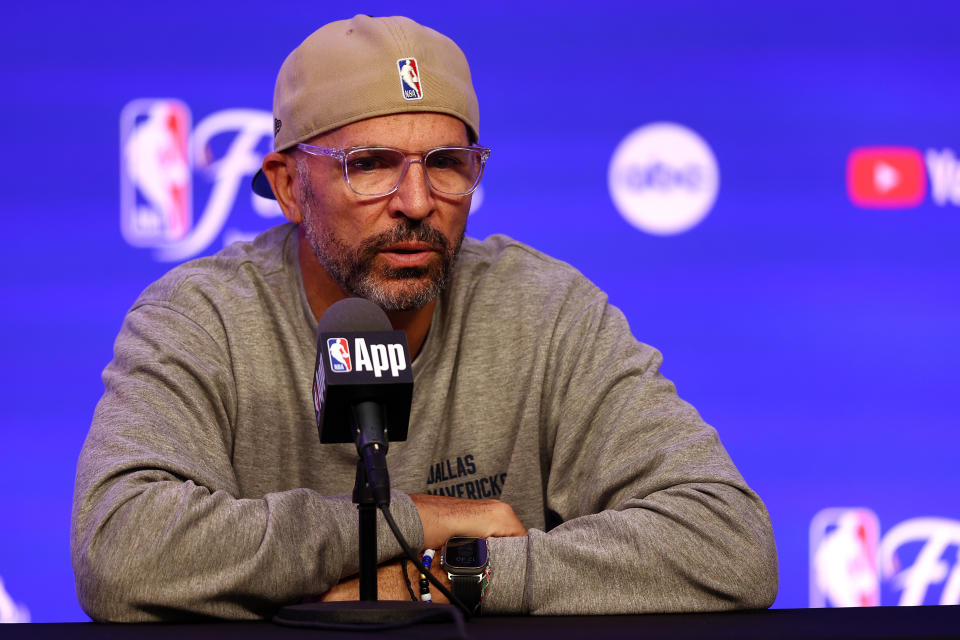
(468, 589)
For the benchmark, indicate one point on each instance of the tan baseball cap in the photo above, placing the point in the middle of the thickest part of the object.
(364, 67)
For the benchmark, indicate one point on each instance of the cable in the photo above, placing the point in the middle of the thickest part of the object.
(416, 562)
(406, 578)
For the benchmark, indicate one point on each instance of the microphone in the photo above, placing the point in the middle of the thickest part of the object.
(362, 385)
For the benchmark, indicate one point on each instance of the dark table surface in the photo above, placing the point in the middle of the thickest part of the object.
(875, 622)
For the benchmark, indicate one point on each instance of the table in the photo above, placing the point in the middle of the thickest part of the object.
(873, 622)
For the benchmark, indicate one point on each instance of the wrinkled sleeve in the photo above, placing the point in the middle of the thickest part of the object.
(655, 517)
(158, 529)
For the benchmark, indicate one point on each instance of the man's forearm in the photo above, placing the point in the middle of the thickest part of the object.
(177, 550)
(690, 548)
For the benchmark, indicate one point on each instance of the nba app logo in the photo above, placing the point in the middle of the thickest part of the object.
(339, 355)
(410, 79)
(844, 565)
(155, 172)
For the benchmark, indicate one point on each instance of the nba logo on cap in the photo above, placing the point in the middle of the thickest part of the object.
(410, 79)
(339, 355)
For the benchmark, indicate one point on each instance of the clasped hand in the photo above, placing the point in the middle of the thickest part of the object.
(442, 518)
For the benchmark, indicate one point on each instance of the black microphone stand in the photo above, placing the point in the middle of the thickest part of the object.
(369, 612)
(353, 405)
(367, 513)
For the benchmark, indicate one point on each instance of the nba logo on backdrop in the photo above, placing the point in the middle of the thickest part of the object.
(339, 355)
(410, 79)
(844, 570)
(155, 172)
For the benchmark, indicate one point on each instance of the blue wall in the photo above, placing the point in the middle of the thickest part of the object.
(818, 336)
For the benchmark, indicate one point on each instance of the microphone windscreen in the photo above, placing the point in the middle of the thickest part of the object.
(353, 314)
(360, 359)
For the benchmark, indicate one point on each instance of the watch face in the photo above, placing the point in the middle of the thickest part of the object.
(465, 554)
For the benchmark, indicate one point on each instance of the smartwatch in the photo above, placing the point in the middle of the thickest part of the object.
(467, 564)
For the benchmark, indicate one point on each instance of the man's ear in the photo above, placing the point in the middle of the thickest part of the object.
(281, 171)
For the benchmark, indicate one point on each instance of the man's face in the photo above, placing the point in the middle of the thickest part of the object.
(395, 250)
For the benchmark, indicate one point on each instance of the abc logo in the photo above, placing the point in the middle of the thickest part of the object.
(663, 178)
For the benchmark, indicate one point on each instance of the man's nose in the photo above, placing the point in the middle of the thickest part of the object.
(414, 198)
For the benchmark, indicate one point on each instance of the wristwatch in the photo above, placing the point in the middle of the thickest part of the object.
(467, 564)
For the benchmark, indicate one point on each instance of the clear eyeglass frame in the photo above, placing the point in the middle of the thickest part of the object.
(343, 156)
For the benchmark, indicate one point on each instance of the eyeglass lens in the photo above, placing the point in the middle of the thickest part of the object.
(451, 171)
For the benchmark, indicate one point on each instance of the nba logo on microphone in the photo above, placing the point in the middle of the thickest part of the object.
(339, 355)
(410, 79)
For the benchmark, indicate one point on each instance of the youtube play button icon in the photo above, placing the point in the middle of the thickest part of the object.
(886, 177)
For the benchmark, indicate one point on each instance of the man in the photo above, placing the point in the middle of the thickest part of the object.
(539, 424)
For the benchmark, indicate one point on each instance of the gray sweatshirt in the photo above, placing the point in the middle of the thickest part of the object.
(202, 487)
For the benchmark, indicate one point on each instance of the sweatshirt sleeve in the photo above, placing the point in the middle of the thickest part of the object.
(159, 528)
(655, 517)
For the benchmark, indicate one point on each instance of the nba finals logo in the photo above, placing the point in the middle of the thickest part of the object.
(183, 186)
(853, 565)
(410, 79)
(339, 355)
(162, 156)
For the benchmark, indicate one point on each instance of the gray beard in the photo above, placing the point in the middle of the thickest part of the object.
(392, 289)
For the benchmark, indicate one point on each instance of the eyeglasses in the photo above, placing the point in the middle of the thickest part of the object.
(378, 171)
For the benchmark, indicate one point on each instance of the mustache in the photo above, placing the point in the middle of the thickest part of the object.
(408, 231)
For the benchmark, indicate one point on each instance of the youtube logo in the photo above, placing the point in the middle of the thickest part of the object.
(886, 177)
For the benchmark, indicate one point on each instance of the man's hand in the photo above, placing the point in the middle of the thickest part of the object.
(443, 517)
(390, 584)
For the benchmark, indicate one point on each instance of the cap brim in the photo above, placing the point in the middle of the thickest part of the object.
(261, 186)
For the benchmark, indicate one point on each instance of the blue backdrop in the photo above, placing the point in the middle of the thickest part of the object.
(802, 282)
